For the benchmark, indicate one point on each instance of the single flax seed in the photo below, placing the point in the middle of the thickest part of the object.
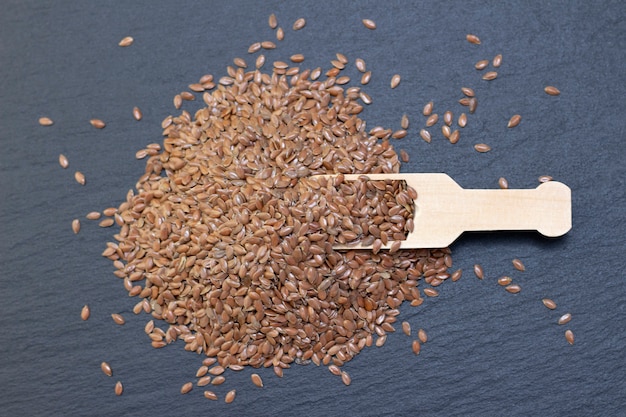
(549, 303)
(127, 41)
(85, 312)
(46, 121)
(368, 23)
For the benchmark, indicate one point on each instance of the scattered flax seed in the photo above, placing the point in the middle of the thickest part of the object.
(565, 318)
(297, 58)
(127, 41)
(503, 183)
(341, 58)
(76, 226)
(481, 65)
(406, 328)
(218, 380)
(404, 157)
(472, 39)
(204, 381)
(454, 137)
(272, 21)
(447, 117)
(395, 81)
(149, 327)
(497, 61)
(256, 380)
(422, 336)
(482, 147)
(431, 292)
(549, 303)
(365, 98)
(119, 388)
(360, 65)
(468, 92)
(399, 134)
(268, 45)
(514, 120)
(462, 122)
(404, 122)
(210, 395)
(217, 370)
(79, 177)
(109, 211)
(63, 161)
(106, 222)
(416, 347)
(425, 135)
(569, 336)
(260, 60)
(432, 119)
(334, 369)
(368, 23)
(299, 24)
(345, 378)
(46, 121)
(240, 62)
(85, 312)
(230, 396)
(118, 319)
(137, 114)
(478, 270)
(504, 281)
(381, 340)
(428, 108)
(491, 75)
(456, 275)
(517, 264)
(188, 386)
(513, 288)
(106, 368)
(280, 34)
(187, 96)
(255, 47)
(473, 103)
(97, 123)
(551, 90)
(445, 129)
(545, 178)
(365, 78)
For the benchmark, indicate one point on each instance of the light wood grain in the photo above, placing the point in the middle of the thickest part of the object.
(444, 210)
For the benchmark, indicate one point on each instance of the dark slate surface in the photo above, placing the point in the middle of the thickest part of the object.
(490, 353)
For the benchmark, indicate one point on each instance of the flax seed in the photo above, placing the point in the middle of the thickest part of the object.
(473, 103)
(478, 271)
(462, 122)
(514, 120)
(299, 24)
(85, 312)
(472, 39)
(428, 109)
(297, 58)
(503, 183)
(79, 177)
(106, 222)
(187, 387)
(425, 135)
(204, 381)
(360, 65)
(422, 336)
(468, 92)
(106, 368)
(268, 45)
(545, 178)
(432, 119)
(46, 121)
(255, 47)
(210, 395)
(565, 318)
(272, 21)
(549, 303)
(519, 265)
(119, 388)
(482, 147)
(551, 90)
(395, 81)
(416, 347)
(256, 380)
(497, 61)
(218, 380)
(97, 123)
(569, 336)
(513, 288)
(431, 292)
(504, 281)
(454, 137)
(491, 75)
(63, 161)
(280, 34)
(127, 41)
(230, 396)
(456, 275)
(345, 378)
(118, 319)
(76, 226)
(404, 122)
(365, 78)
(481, 65)
(406, 328)
(368, 23)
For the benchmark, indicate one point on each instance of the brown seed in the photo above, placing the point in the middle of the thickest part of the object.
(445, 130)
(119, 388)
(551, 90)
(513, 288)
(462, 122)
(268, 45)
(106, 222)
(425, 135)
(381, 339)
(218, 380)
(472, 39)
(345, 378)
(368, 23)
(46, 121)
(468, 91)
(431, 292)
(272, 21)
(230, 396)
(255, 47)
(106, 368)
(404, 122)
(491, 75)
(297, 58)
(210, 395)
(118, 319)
(569, 336)
(204, 381)
(545, 178)
(565, 318)
(473, 103)
(482, 147)
(549, 303)
(240, 62)
(360, 65)
(406, 328)
(478, 271)
(366, 77)
(188, 386)
(127, 41)
(454, 137)
(428, 108)
(85, 312)
(416, 347)
(517, 264)
(447, 117)
(299, 24)
(514, 120)
(497, 61)
(260, 60)
(97, 123)
(422, 336)
(109, 211)
(256, 380)
(76, 226)
(503, 183)
(93, 215)
(63, 161)
(504, 281)
(481, 65)
(280, 34)
(456, 275)
(137, 113)
(217, 370)
(432, 119)
(395, 81)
(79, 177)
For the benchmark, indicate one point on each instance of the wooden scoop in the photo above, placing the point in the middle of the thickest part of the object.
(444, 210)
